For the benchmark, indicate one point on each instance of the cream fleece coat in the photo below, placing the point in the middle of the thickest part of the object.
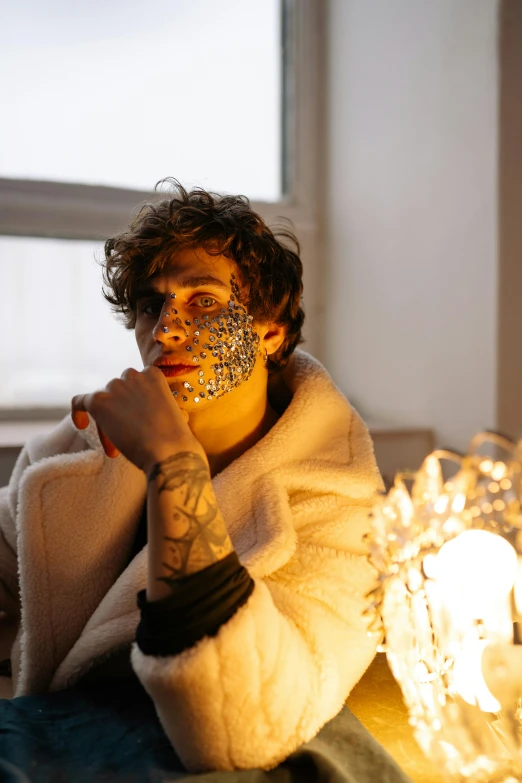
(296, 506)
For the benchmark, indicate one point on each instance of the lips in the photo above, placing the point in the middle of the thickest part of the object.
(173, 370)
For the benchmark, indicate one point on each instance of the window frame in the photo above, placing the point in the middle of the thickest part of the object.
(62, 210)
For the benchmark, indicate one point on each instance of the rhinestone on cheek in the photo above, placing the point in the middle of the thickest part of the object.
(188, 348)
(165, 328)
(184, 398)
(196, 399)
(236, 348)
(172, 296)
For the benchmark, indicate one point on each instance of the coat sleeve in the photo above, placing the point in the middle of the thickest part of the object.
(285, 663)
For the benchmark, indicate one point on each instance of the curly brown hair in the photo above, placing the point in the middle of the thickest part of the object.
(270, 272)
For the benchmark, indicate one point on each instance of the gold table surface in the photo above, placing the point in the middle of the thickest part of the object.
(377, 701)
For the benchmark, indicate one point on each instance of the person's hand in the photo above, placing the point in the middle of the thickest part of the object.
(135, 415)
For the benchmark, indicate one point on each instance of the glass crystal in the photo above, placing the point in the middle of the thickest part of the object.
(438, 623)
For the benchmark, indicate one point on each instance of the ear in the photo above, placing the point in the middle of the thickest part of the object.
(272, 336)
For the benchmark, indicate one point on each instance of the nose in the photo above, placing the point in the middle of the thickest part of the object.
(169, 326)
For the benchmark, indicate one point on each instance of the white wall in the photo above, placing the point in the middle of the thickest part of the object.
(411, 225)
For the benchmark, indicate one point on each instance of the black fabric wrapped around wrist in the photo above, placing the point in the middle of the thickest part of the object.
(199, 605)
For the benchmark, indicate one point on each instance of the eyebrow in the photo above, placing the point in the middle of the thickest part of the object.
(149, 289)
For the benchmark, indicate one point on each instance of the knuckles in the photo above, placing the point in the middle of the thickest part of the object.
(115, 383)
(130, 372)
(96, 401)
(153, 371)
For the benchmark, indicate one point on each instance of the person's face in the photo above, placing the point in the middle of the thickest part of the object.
(192, 314)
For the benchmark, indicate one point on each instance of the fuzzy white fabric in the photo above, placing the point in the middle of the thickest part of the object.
(296, 506)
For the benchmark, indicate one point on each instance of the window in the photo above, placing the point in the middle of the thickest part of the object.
(127, 93)
(102, 106)
(63, 339)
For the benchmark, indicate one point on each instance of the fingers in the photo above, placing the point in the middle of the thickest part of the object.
(80, 419)
(79, 415)
(156, 373)
(108, 447)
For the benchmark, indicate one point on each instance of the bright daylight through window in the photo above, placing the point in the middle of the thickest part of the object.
(121, 94)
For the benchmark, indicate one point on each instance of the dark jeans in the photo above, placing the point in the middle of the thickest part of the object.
(110, 734)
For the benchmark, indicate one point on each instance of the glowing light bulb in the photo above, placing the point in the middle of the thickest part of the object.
(479, 561)
(474, 574)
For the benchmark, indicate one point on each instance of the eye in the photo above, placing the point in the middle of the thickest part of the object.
(205, 302)
(145, 308)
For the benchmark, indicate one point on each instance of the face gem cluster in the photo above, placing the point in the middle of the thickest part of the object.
(229, 338)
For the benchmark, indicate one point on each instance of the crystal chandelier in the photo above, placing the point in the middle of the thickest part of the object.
(449, 597)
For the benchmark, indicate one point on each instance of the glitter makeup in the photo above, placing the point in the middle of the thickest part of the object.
(235, 345)
(230, 338)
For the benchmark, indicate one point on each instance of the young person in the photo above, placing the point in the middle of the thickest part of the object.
(225, 487)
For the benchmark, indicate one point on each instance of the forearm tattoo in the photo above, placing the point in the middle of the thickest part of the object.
(203, 538)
